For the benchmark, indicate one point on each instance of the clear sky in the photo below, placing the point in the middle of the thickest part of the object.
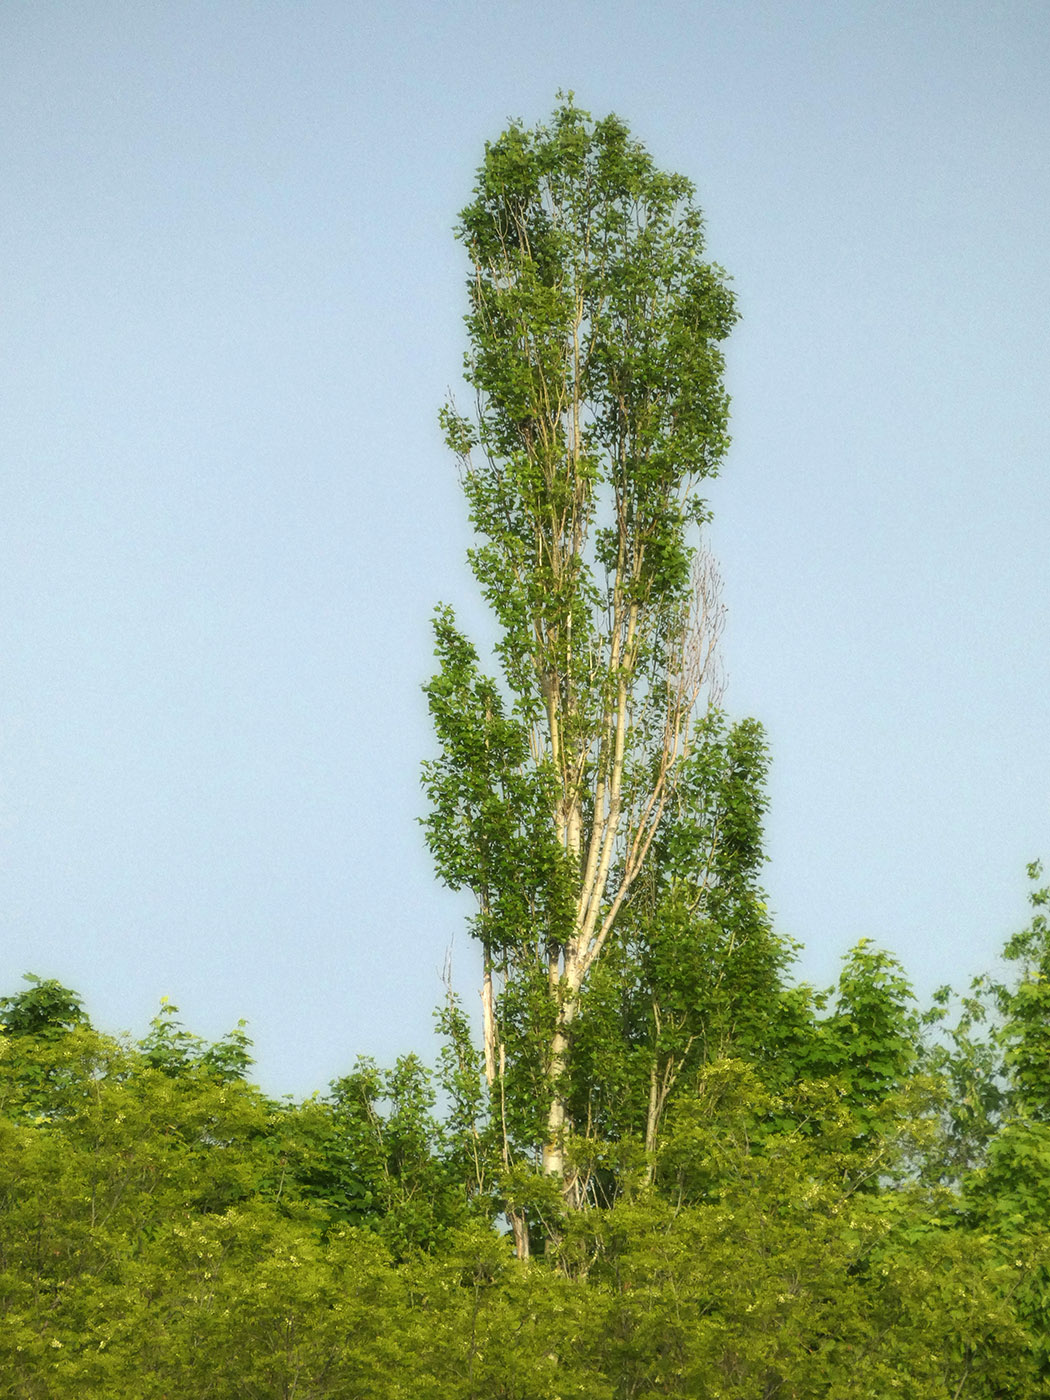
(230, 309)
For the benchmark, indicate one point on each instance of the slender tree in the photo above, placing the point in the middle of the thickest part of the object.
(594, 328)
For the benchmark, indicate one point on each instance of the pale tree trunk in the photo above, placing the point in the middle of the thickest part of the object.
(633, 829)
(495, 1080)
(520, 1231)
(495, 1052)
(488, 1017)
(557, 1117)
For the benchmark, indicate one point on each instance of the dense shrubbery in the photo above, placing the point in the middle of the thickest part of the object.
(862, 1213)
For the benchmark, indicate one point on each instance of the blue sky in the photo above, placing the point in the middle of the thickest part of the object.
(231, 308)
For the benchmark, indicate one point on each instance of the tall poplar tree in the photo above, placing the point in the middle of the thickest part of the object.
(594, 327)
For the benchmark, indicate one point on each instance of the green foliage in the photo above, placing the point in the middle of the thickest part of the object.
(871, 1042)
(1026, 1010)
(695, 963)
(489, 826)
(966, 1058)
(589, 288)
(46, 1010)
(168, 1046)
(472, 1143)
(173, 1236)
(372, 1154)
